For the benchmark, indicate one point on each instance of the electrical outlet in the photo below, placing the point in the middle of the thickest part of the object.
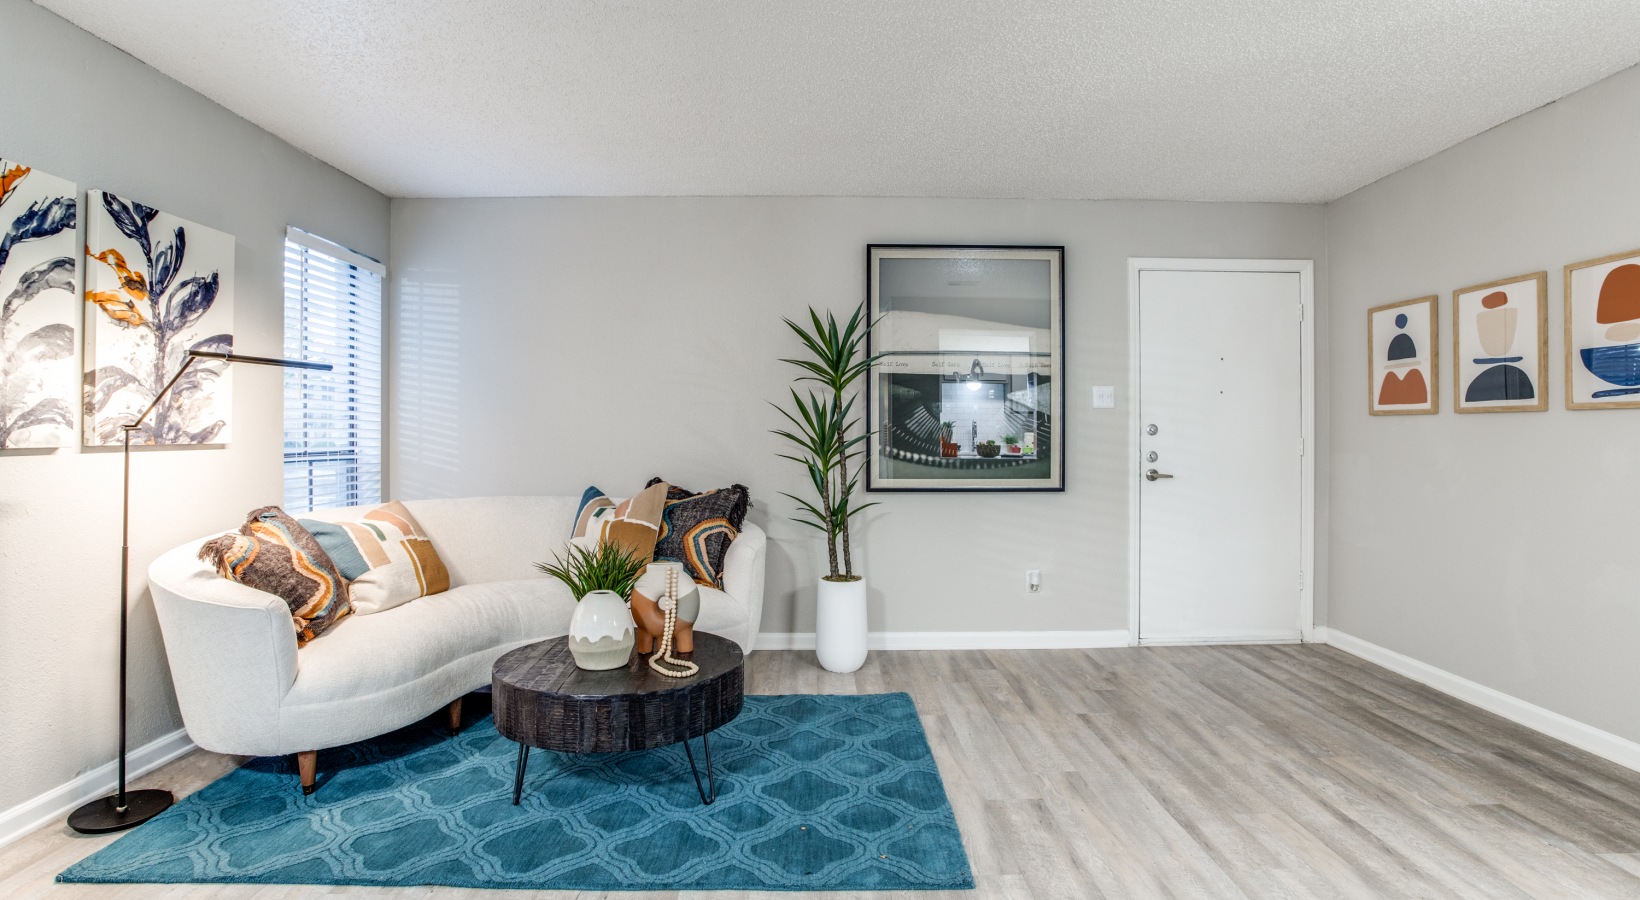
(1104, 396)
(1033, 580)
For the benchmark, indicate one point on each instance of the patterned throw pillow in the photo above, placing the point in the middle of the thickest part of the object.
(273, 553)
(634, 524)
(385, 555)
(696, 529)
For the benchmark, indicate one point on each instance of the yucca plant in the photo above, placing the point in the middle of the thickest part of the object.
(611, 567)
(823, 425)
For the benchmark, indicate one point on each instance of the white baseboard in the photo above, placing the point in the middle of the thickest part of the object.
(1603, 744)
(1318, 635)
(1226, 637)
(31, 815)
(958, 640)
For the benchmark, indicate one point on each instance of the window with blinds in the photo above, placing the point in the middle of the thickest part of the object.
(333, 420)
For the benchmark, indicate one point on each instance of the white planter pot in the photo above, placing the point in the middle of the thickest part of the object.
(601, 633)
(840, 625)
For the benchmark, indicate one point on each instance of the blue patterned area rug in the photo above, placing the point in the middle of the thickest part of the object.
(815, 793)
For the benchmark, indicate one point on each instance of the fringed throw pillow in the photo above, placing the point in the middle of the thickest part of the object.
(696, 529)
(272, 552)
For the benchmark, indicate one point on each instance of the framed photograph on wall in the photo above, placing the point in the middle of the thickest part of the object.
(968, 390)
(1404, 361)
(1500, 342)
(1602, 302)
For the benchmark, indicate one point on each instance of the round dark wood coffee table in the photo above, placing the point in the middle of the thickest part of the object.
(540, 699)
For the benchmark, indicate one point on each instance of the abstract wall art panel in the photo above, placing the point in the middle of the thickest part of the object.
(156, 287)
(968, 393)
(1500, 340)
(38, 304)
(1602, 302)
(1403, 341)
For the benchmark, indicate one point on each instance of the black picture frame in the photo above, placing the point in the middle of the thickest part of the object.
(937, 336)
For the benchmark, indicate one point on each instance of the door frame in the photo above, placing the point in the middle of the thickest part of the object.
(1305, 270)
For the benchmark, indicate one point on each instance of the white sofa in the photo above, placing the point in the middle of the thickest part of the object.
(245, 688)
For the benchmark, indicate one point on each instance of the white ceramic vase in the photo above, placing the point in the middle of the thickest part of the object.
(840, 625)
(601, 632)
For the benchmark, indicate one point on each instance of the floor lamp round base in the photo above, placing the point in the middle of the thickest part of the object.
(101, 816)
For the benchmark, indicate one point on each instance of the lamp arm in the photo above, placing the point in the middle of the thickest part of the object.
(136, 423)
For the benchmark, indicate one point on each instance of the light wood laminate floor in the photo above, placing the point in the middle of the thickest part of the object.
(1271, 771)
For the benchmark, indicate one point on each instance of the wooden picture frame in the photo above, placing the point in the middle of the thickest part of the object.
(1404, 358)
(1495, 327)
(1602, 332)
(968, 389)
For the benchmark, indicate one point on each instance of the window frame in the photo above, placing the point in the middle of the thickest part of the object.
(348, 401)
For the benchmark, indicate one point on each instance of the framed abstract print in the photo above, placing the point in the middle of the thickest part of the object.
(968, 390)
(1500, 341)
(1403, 341)
(1602, 302)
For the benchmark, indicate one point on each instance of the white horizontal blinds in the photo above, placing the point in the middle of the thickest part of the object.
(333, 420)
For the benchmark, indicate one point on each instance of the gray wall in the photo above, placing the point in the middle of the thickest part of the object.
(545, 344)
(1496, 547)
(78, 108)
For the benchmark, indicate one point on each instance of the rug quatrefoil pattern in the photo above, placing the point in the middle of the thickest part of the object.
(815, 792)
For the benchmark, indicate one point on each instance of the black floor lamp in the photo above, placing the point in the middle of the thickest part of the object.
(127, 809)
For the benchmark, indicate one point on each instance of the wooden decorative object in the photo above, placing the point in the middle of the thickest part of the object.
(651, 618)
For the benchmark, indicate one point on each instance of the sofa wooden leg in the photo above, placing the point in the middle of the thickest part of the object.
(455, 716)
(307, 763)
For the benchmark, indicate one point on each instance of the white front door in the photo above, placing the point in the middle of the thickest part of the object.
(1219, 409)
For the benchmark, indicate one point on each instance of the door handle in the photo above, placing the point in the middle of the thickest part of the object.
(1154, 475)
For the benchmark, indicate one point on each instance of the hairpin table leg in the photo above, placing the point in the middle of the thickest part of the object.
(518, 779)
(710, 782)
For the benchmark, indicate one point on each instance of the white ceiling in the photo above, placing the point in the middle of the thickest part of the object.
(1280, 100)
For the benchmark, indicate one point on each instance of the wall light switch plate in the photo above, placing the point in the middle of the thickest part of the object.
(1104, 396)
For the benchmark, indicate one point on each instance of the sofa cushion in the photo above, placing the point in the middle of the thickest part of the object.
(383, 553)
(272, 553)
(372, 654)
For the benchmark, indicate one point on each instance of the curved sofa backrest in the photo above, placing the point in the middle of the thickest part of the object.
(484, 539)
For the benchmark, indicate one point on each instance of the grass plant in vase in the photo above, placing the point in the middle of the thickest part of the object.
(601, 632)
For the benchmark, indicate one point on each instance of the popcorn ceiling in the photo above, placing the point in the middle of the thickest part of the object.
(1270, 100)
